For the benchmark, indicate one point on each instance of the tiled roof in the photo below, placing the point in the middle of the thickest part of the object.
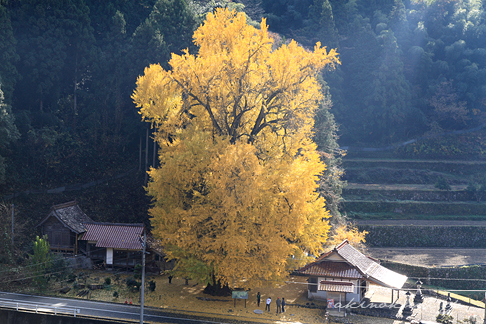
(337, 286)
(155, 245)
(367, 267)
(370, 268)
(331, 269)
(70, 215)
(116, 236)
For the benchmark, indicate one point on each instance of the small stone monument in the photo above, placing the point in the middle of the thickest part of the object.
(448, 308)
(419, 298)
(407, 309)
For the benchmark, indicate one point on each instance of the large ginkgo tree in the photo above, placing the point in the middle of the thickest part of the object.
(234, 198)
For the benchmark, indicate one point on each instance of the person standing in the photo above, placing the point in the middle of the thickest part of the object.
(269, 301)
(279, 305)
(283, 305)
(258, 299)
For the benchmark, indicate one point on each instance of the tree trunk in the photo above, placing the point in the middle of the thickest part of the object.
(216, 289)
(146, 156)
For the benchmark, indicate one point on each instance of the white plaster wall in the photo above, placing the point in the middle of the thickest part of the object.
(109, 255)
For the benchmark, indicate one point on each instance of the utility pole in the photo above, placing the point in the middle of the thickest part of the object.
(143, 276)
(484, 320)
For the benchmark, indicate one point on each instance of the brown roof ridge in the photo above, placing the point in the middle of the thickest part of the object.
(64, 205)
(373, 259)
(116, 224)
(341, 245)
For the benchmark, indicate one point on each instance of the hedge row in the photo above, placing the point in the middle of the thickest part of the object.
(415, 208)
(464, 277)
(417, 195)
(464, 167)
(425, 236)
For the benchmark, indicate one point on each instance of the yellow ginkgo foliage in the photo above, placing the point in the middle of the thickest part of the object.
(234, 198)
(348, 232)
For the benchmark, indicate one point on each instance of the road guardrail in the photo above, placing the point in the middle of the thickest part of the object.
(38, 308)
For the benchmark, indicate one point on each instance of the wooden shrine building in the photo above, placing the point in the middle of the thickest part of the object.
(63, 225)
(70, 231)
(344, 274)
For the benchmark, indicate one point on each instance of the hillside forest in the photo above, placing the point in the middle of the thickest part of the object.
(68, 69)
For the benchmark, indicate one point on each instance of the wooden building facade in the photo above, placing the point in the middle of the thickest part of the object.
(344, 274)
(63, 226)
(109, 245)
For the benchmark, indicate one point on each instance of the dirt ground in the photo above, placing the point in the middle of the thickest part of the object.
(190, 298)
(428, 257)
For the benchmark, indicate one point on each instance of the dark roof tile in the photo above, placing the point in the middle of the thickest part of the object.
(116, 236)
(71, 215)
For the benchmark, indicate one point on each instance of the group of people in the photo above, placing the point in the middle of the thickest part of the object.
(280, 303)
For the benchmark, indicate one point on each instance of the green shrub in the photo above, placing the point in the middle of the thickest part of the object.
(133, 284)
(108, 281)
(151, 285)
(442, 184)
(137, 272)
(71, 277)
(446, 319)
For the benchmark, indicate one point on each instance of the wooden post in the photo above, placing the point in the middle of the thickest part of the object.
(143, 276)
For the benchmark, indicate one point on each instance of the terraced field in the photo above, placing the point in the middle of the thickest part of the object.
(390, 196)
(404, 189)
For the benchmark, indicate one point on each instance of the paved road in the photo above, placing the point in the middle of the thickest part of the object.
(115, 311)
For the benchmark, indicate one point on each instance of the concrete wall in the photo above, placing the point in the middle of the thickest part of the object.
(14, 317)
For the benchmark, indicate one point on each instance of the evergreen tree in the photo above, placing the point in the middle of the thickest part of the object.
(331, 184)
(321, 26)
(388, 105)
(8, 132)
(175, 22)
(41, 30)
(8, 55)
